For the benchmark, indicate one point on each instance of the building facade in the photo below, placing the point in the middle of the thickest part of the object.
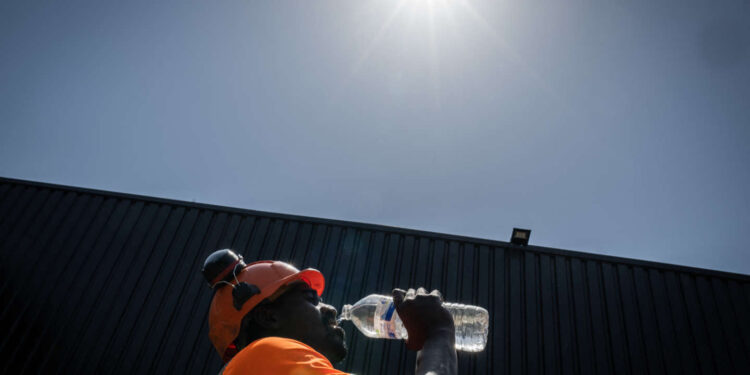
(97, 282)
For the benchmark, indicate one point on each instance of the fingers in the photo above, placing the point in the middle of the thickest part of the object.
(437, 294)
(421, 314)
(398, 296)
(410, 294)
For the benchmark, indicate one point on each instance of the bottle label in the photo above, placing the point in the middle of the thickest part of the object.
(384, 324)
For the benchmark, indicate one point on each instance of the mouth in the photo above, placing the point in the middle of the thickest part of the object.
(331, 321)
(332, 325)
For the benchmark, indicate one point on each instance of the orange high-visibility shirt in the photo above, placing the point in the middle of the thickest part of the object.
(279, 356)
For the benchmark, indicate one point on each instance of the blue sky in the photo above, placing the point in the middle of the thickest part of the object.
(619, 128)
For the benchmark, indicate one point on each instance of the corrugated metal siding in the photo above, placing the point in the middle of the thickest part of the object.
(107, 283)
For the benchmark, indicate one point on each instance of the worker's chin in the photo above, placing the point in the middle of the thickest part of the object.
(337, 345)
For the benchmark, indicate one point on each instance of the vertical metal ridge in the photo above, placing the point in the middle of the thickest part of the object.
(301, 241)
(524, 314)
(119, 307)
(19, 225)
(317, 248)
(17, 208)
(700, 338)
(506, 315)
(664, 322)
(37, 219)
(606, 317)
(19, 327)
(55, 336)
(8, 204)
(340, 267)
(571, 318)
(649, 324)
(184, 271)
(534, 357)
(352, 265)
(740, 311)
(112, 305)
(556, 314)
(47, 268)
(430, 264)
(716, 332)
(280, 243)
(275, 233)
(166, 303)
(240, 242)
(670, 317)
(9, 294)
(57, 218)
(87, 310)
(192, 293)
(737, 349)
(337, 261)
(618, 336)
(156, 228)
(581, 317)
(638, 342)
(4, 188)
(150, 278)
(600, 334)
(515, 322)
(681, 321)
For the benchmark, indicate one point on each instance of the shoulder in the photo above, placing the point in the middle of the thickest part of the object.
(277, 355)
(274, 349)
(275, 344)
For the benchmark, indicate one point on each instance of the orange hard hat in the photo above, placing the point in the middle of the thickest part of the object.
(263, 278)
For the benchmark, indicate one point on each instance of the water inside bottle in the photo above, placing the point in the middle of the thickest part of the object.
(374, 317)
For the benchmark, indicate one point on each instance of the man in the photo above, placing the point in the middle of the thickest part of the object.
(267, 318)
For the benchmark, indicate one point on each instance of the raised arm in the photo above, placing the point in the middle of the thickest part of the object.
(430, 328)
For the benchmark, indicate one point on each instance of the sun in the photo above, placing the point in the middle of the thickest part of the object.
(430, 27)
(436, 34)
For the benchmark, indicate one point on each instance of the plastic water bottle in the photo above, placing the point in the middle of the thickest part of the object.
(375, 316)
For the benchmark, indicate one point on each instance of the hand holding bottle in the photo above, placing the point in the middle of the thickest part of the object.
(423, 316)
(430, 328)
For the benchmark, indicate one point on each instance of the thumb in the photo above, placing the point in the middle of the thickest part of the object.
(398, 296)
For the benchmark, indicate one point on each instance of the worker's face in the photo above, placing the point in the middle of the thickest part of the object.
(304, 318)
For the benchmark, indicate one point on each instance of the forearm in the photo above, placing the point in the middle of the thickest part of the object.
(438, 356)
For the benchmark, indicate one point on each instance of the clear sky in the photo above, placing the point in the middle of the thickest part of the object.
(613, 127)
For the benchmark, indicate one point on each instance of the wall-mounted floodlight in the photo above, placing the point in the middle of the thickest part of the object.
(520, 236)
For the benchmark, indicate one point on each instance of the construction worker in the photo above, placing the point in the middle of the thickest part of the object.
(267, 318)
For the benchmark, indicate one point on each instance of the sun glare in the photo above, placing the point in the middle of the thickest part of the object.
(421, 22)
(435, 33)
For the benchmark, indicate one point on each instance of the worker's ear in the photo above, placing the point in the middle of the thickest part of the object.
(265, 316)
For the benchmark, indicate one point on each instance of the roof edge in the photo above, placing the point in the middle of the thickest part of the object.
(385, 228)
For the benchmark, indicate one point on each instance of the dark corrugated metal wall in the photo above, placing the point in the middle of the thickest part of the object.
(96, 282)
